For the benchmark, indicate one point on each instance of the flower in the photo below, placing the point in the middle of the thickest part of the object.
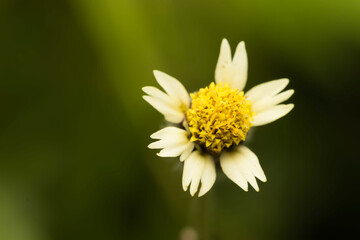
(210, 126)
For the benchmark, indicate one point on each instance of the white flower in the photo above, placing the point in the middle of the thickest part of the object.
(212, 124)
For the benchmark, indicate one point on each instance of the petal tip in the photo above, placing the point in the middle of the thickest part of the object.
(160, 155)
(157, 74)
(224, 44)
(202, 192)
(181, 159)
(155, 135)
(147, 98)
(144, 89)
(185, 186)
(283, 81)
(224, 41)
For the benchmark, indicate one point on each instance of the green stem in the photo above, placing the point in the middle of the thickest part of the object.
(203, 233)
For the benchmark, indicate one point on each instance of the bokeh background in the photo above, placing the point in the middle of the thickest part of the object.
(74, 130)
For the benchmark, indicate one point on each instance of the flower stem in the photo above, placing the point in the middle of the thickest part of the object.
(203, 231)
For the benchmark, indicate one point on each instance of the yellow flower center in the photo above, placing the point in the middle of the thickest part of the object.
(219, 117)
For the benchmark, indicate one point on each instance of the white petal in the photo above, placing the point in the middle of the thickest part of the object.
(263, 104)
(173, 87)
(229, 165)
(173, 151)
(224, 63)
(171, 114)
(193, 168)
(208, 176)
(246, 171)
(252, 162)
(198, 168)
(171, 105)
(195, 181)
(172, 142)
(168, 131)
(282, 97)
(232, 72)
(158, 144)
(160, 95)
(242, 166)
(272, 114)
(240, 64)
(267, 89)
(187, 151)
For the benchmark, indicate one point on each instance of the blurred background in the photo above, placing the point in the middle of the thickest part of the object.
(74, 130)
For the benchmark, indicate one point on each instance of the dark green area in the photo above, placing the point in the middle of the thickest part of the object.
(74, 130)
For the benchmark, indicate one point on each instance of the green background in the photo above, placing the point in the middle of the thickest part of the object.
(74, 130)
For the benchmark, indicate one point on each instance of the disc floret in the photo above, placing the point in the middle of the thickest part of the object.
(219, 117)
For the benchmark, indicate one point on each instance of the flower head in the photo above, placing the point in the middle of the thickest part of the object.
(219, 117)
(212, 123)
